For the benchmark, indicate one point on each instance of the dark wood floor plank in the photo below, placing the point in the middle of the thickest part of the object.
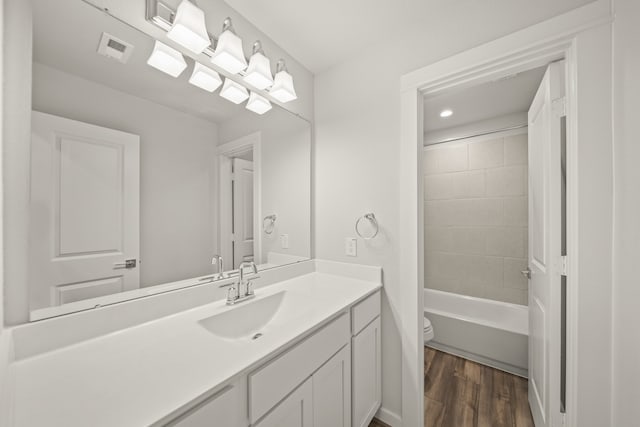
(462, 393)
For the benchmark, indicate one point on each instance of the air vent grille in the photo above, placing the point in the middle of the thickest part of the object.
(115, 48)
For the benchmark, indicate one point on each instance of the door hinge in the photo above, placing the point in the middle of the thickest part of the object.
(233, 237)
(560, 106)
(563, 265)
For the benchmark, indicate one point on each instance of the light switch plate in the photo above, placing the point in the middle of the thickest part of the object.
(351, 246)
(284, 241)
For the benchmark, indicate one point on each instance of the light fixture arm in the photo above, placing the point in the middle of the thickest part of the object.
(281, 66)
(257, 48)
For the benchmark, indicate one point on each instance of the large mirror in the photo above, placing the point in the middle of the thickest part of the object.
(141, 182)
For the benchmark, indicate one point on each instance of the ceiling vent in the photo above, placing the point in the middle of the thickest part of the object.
(115, 48)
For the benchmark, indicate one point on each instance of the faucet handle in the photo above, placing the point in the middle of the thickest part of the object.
(249, 290)
(231, 294)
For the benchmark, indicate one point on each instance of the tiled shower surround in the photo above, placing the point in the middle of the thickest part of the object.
(476, 217)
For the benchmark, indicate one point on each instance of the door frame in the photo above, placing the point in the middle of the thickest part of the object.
(583, 38)
(225, 153)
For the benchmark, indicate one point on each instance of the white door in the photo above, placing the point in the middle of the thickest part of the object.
(84, 208)
(366, 374)
(242, 211)
(545, 247)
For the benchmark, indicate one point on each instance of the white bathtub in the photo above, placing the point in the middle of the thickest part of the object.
(489, 332)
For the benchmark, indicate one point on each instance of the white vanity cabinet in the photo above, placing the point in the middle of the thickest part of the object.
(229, 404)
(365, 360)
(332, 378)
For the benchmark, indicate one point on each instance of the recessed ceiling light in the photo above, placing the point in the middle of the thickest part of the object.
(446, 113)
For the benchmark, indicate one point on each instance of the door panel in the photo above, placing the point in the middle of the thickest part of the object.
(242, 211)
(296, 410)
(332, 391)
(544, 248)
(84, 211)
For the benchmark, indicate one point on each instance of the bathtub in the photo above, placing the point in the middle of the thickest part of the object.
(489, 332)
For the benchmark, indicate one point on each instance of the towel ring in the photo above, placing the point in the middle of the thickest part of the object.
(374, 223)
(269, 223)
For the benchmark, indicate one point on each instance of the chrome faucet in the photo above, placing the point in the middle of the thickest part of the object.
(235, 293)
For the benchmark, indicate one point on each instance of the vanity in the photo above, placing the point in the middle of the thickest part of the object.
(304, 352)
(146, 178)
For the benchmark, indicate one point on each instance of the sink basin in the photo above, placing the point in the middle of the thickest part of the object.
(250, 318)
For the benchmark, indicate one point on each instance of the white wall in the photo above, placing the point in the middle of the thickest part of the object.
(178, 233)
(626, 291)
(357, 143)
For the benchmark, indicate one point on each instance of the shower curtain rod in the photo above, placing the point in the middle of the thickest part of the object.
(474, 135)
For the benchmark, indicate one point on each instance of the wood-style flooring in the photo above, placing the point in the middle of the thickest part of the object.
(462, 393)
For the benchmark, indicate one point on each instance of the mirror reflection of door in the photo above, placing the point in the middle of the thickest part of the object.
(85, 196)
(242, 193)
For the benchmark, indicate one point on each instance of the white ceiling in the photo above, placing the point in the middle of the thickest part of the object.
(66, 36)
(322, 33)
(483, 102)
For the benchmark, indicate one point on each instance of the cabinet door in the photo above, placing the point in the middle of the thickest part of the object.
(366, 374)
(229, 404)
(296, 410)
(332, 391)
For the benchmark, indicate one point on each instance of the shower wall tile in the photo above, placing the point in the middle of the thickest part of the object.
(476, 217)
(506, 241)
(486, 154)
(467, 184)
(438, 186)
(515, 150)
(468, 240)
(516, 211)
(506, 181)
(513, 277)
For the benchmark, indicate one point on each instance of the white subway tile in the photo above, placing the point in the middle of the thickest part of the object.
(437, 239)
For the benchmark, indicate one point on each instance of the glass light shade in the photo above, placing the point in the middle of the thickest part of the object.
(282, 88)
(205, 78)
(234, 92)
(229, 54)
(258, 104)
(167, 59)
(189, 28)
(259, 72)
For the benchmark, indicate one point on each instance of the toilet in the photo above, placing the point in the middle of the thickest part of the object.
(428, 330)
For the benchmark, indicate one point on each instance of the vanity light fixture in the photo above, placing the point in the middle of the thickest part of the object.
(446, 113)
(228, 54)
(258, 104)
(189, 28)
(258, 73)
(282, 88)
(205, 78)
(167, 59)
(234, 92)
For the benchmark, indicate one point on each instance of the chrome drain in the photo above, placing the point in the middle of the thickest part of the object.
(256, 336)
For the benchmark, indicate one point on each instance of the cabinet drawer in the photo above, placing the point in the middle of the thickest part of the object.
(364, 312)
(272, 382)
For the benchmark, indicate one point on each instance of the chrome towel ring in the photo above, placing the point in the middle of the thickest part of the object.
(269, 223)
(371, 218)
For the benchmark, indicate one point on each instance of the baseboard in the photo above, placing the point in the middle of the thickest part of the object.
(479, 359)
(388, 417)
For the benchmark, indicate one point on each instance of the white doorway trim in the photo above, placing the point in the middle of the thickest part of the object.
(226, 152)
(583, 38)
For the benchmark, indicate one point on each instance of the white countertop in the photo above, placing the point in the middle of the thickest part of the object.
(138, 376)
